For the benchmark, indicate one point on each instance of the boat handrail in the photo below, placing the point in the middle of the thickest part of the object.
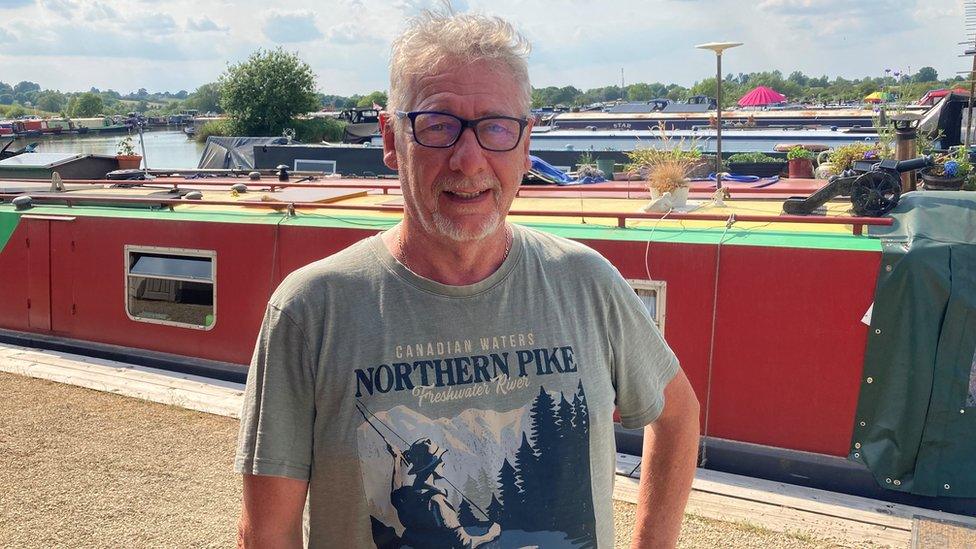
(348, 183)
(857, 223)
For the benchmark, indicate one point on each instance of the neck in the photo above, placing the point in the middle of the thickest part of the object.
(448, 261)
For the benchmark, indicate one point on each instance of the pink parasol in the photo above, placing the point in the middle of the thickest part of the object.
(761, 96)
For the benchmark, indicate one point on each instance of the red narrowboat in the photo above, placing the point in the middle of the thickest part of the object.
(828, 350)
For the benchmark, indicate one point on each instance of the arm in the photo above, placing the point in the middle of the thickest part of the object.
(669, 457)
(271, 516)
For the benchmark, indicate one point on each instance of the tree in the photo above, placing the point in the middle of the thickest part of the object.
(377, 97)
(639, 92)
(25, 86)
(50, 101)
(465, 515)
(6, 99)
(206, 98)
(86, 104)
(926, 74)
(263, 93)
(798, 78)
(495, 510)
(511, 497)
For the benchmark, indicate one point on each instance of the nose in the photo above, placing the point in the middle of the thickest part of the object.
(467, 156)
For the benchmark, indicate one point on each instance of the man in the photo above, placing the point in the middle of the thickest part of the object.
(507, 347)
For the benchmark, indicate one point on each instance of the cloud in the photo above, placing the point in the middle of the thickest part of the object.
(860, 24)
(14, 4)
(350, 34)
(99, 11)
(285, 27)
(204, 24)
(158, 23)
(6, 37)
(60, 7)
(414, 7)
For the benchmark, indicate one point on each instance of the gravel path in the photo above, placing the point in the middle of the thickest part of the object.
(82, 468)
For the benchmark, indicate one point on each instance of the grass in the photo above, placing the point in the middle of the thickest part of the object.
(16, 110)
(216, 128)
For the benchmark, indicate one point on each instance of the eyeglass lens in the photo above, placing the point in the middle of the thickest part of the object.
(442, 130)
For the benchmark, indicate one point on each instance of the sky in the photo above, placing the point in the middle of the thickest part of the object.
(169, 45)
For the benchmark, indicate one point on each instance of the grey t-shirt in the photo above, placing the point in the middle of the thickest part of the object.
(427, 415)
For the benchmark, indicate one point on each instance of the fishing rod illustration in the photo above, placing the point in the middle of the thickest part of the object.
(364, 410)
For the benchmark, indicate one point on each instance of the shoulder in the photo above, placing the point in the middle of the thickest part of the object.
(557, 252)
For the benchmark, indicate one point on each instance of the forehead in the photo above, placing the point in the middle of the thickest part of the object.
(469, 89)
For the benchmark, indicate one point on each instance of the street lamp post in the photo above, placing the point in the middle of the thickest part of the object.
(718, 48)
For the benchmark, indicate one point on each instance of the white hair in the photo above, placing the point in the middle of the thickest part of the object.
(433, 38)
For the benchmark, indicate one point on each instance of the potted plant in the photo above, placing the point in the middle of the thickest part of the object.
(126, 155)
(755, 163)
(667, 169)
(585, 161)
(949, 171)
(801, 162)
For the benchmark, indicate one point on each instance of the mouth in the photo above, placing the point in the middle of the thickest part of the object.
(462, 196)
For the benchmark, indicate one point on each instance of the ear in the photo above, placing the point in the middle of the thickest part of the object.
(389, 141)
(525, 143)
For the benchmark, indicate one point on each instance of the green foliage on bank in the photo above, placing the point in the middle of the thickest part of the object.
(313, 130)
(264, 93)
(221, 128)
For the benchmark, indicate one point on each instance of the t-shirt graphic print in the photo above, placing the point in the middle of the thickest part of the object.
(485, 477)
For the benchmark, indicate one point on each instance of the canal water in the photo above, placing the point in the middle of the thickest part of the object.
(164, 148)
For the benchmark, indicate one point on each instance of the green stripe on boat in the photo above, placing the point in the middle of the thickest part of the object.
(707, 236)
(8, 222)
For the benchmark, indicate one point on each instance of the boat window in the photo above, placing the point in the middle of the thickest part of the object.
(320, 166)
(167, 286)
(653, 294)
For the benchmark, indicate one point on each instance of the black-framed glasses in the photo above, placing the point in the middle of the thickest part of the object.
(441, 130)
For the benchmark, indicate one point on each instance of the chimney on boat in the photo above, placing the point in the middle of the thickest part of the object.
(906, 131)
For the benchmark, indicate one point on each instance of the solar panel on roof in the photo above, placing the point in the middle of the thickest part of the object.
(38, 160)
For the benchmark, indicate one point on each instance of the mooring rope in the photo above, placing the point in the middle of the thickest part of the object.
(711, 344)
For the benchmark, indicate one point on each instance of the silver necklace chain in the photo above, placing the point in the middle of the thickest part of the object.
(402, 256)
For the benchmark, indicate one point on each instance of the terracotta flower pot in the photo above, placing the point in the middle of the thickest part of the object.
(129, 162)
(801, 168)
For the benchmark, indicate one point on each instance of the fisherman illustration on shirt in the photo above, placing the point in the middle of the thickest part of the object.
(428, 517)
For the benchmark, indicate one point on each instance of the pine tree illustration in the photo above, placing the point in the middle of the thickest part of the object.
(565, 416)
(582, 412)
(465, 515)
(525, 466)
(495, 510)
(486, 487)
(545, 440)
(511, 497)
(473, 490)
(581, 491)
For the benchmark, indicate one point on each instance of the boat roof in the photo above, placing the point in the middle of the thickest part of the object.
(604, 211)
(803, 113)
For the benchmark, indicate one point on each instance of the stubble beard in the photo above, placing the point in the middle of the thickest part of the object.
(437, 223)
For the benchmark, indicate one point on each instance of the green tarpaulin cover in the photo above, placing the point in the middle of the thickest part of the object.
(915, 427)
